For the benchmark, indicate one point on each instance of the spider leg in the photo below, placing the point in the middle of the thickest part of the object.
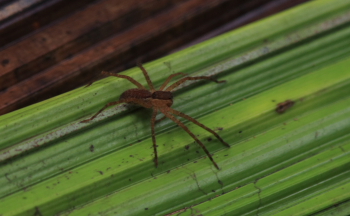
(153, 119)
(169, 78)
(177, 121)
(120, 76)
(150, 84)
(197, 123)
(170, 88)
(161, 119)
(93, 80)
(107, 105)
(124, 77)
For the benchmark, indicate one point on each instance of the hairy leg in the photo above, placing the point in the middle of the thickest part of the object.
(150, 84)
(120, 76)
(170, 88)
(107, 105)
(169, 78)
(197, 123)
(170, 116)
(124, 77)
(140, 102)
(161, 119)
(153, 119)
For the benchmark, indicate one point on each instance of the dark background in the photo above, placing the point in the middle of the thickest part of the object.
(53, 46)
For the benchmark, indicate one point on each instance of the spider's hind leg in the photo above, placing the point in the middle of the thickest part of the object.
(183, 115)
(177, 121)
(153, 122)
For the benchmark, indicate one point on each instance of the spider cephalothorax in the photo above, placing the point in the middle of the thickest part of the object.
(160, 101)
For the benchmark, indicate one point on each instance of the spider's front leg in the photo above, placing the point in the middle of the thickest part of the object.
(169, 79)
(173, 86)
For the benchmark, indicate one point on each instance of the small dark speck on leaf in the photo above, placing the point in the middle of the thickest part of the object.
(100, 172)
(187, 147)
(92, 148)
(146, 208)
(37, 211)
(240, 131)
(209, 139)
(168, 171)
(282, 107)
(220, 128)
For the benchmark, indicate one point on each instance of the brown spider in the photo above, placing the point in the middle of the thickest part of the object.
(160, 100)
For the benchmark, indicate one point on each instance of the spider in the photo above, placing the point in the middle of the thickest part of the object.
(160, 101)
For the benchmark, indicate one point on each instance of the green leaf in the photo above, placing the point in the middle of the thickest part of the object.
(295, 163)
